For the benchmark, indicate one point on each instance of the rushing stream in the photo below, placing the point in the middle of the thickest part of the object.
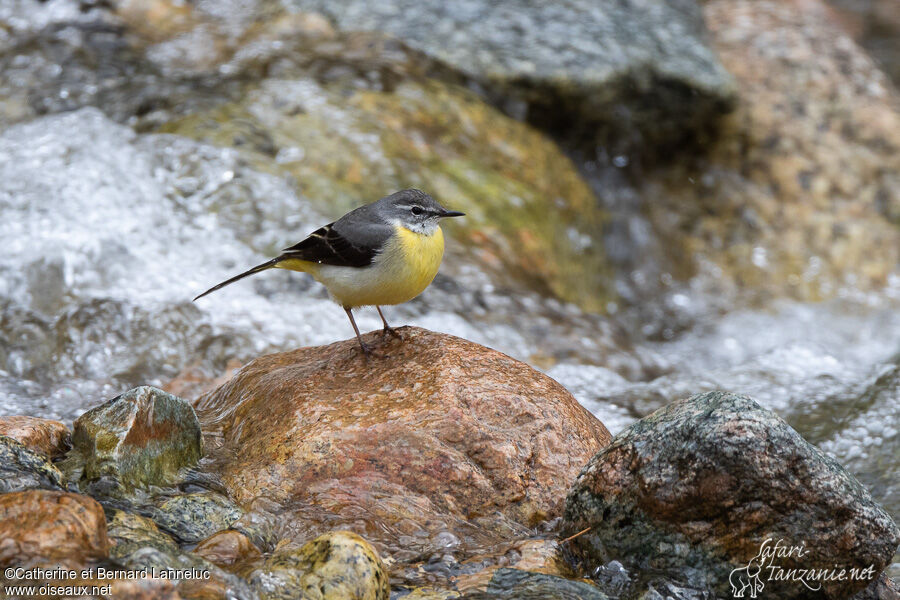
(108, 233)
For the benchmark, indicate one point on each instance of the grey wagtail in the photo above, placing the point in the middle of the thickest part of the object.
(382, 253)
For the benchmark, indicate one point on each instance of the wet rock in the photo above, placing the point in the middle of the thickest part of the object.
(129, 532)
(334, 566)
(530, 218)
(45, 436)
(427, 593)
(194, 577)
(193, 517)
(142, 437)
(144, 589)
(883, 588)
(228, 548)
(42, 527)
(515, 584)
(137, 543)
(799, 196)
(23, 469)
(710, 484)
(442, 435)
(641, 70)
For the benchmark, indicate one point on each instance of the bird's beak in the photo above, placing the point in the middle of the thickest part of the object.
(452, 213)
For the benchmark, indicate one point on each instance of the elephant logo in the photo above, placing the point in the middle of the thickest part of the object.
(746, 579)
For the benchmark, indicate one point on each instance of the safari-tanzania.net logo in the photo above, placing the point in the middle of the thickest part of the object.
(749, 581)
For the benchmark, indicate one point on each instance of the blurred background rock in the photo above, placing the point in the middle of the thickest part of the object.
(662, 198)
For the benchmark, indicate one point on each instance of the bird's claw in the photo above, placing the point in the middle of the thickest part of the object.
(392, 332)
(368, 351)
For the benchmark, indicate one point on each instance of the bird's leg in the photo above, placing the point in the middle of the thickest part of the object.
(387, 328)
(366, 349)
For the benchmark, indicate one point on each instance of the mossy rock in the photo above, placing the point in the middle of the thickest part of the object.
(530, 217)
(143, 437)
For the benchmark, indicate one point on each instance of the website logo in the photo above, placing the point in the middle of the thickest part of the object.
(767, 565)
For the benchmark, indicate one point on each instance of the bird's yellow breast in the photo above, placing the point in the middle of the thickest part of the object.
(402, 270)
(411, 260)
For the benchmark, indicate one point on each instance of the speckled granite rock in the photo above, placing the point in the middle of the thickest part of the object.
(48, 528)
(141, 437)
(641, 68)
(800, 195)
(698, 488)
(49, 437)
(883, 588)
(335, 566)
(193, 517)
(442, 435)
(22, 468)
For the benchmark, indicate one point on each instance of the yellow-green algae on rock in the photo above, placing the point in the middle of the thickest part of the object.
(141, 437)
(530, 217)
(339, 565)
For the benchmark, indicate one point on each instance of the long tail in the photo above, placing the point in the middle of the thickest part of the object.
(266, 265)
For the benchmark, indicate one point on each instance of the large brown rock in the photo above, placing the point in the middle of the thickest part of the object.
(43, 527)
(49, 437)
(440, 435)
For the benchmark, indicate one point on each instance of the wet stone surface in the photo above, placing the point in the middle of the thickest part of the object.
(699, 489)
(22, 469)
(46, 436)
(142, 437)
(333, 566)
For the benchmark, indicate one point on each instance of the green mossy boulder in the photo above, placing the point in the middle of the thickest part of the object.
(143, 437)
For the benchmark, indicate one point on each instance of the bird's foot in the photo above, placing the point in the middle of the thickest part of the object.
(369, 351)
(388, 330)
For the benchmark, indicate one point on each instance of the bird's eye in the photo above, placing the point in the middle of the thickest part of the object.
(417, 210)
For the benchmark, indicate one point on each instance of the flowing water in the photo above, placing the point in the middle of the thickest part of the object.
(108, 234)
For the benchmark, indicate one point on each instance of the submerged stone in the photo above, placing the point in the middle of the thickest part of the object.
(23, 469)
(202, 579)
(227, 549)
(142, 437)
(335, 566)
(516, 584)
(714, 484)
(193, 517)
(129, 532)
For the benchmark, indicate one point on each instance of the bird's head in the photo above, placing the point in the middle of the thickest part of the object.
(414, 210)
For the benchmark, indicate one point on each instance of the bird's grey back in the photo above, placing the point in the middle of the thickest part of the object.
(364, 226)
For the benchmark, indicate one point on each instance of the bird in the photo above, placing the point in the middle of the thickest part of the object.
(383, 253)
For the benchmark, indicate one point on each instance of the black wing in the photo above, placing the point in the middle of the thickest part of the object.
(328, 247)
